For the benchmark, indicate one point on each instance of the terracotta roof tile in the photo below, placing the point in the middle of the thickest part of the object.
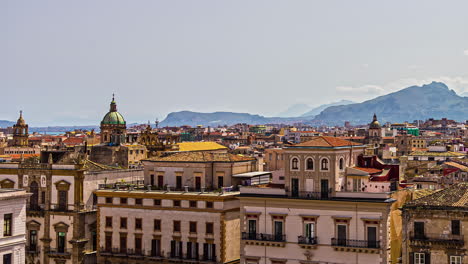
(202, 156)
(453, 196)
(368, 170)
(324, 141)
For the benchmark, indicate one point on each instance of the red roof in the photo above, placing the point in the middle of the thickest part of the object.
(324, 141)
(73, 141)
(368, 170)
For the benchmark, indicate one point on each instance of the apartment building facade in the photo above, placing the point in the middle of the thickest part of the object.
(435, 227)
(12, 225)
(153, 226)
(315, 218)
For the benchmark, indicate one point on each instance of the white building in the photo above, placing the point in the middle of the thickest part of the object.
(12, 225)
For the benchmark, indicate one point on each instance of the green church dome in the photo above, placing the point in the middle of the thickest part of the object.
(113, 117)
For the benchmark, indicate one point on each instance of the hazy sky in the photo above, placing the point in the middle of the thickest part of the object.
(60, 61)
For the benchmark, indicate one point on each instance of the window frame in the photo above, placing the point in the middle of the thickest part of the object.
(325, 161)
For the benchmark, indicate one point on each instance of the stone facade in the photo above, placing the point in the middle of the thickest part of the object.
(12, 225)
(61, 212)
(139, 226)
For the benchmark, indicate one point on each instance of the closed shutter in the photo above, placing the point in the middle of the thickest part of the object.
(189, 250)
(214, 252)
(205, 251)
(173, 248)
(428, 258)
(411, 258)
(196, 251)
(180, 249)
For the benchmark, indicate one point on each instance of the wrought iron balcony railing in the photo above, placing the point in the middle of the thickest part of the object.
(355, 243)
(437, 237)
(264, 237)
(307, 240)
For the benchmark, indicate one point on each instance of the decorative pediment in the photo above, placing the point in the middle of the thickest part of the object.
(62, 185)
(7, 183)
(61, 227)
(33, 225)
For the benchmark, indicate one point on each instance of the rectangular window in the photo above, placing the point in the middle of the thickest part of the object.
(123, 200)
(176, 249)
(278, 225)
(7, 259)
(192, 250)
(109, 200)
(176, 203)
(157, 202)
(342, 235)
(456, 260)
(138, 222)
(176, 226)
(61, 241)
(357, 185)
(7, 224)
(108, 221)
(193, 227)
(138, 245)
(62, 196)
(108, 242)
(138, 201)
(178, 182)
(123, 243)
(209, 251)
(155, 247)
(157, 225)
(33, 240)
(193, 204)
(220, 181)
(209, 204)
(123, 222)
(309, 230)
(419, 230)
(419, 258)
(456, 227)
(43, 199)
(209, 228)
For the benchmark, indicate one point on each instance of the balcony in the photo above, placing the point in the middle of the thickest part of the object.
(436, 238)
(277, 240)
(62, 253)
(360, 246)
(33, 250)
(307, 242)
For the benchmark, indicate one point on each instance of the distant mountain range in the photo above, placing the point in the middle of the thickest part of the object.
(434, 100)
(319, 109)
(219, 118)
(6, 123)
(305, 110)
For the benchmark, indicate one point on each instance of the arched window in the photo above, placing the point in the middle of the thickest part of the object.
(341, 164)
(310, 164)
(324, 164)
(295, 164)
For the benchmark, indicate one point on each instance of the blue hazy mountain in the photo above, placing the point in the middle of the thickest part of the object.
(434, 100)
(315, 111)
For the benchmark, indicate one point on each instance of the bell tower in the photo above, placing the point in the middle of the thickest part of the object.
(20, 132)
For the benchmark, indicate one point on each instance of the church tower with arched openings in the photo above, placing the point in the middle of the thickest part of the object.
(20, 132)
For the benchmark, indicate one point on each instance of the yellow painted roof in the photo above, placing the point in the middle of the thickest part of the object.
(199, 146)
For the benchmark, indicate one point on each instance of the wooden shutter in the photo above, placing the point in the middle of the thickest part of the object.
(428, 258)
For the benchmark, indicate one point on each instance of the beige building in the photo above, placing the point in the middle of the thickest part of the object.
(12, 226)
(317, 217)
(274, 159)
(196, 170)
(434, 227)
(61, 211)
(141, 226)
